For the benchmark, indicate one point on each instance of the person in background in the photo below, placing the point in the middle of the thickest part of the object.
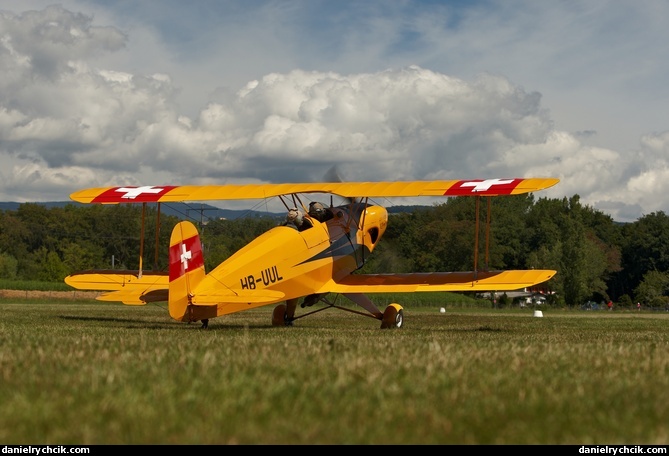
(638, 306)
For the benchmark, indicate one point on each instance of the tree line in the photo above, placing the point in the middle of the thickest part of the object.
(596, 258)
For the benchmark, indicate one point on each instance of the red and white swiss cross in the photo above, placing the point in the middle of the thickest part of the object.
(483, 187)
(145, 194)
(185, 256)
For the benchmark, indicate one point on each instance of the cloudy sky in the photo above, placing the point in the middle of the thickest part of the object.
(154, 92)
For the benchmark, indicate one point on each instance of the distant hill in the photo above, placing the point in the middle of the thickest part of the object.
(181, 210)
(198, 211)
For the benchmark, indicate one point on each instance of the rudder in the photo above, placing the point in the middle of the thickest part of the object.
(186, 269)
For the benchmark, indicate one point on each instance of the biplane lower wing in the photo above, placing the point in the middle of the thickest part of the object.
(131, 290)
(440, 281)
(134, 297)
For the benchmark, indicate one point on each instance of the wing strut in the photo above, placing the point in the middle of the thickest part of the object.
(361, 226)
(487, 235)
(476, 236)
(141, 241)
(155, 260)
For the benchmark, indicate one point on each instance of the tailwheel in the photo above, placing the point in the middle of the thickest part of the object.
(393, 317)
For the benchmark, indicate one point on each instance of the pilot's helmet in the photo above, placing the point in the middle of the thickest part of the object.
(317, 210)
(294, 216)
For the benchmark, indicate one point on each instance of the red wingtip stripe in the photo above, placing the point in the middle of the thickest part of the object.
(146, 194)
(483, 187)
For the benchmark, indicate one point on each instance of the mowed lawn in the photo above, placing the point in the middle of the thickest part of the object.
(99, 373)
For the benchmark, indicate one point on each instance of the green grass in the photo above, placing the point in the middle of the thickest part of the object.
(31, 285)
(100, 373)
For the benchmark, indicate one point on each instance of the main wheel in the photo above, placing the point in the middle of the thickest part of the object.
(393, 317)
(279, 315)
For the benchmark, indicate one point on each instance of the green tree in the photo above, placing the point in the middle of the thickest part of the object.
(645, 248)
(573, 264)
(509, 231)
(596, 266)
(53, 269)
(82, 255)
(8, 266)
(435, 239)
(559, 232)
(653, 287)
(13, 235)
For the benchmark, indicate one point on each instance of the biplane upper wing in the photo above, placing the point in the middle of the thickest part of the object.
(439, 281)
(181, 193)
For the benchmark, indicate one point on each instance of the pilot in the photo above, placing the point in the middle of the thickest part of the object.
(318, 211)
(294, 219)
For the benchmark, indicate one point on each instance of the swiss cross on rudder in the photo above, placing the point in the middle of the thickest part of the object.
(185, 256)
(483, 187)
(145, 194)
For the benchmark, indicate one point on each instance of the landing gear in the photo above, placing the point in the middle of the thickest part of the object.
(205, 323)
(280, 316)
(312, 299)
(393, 317)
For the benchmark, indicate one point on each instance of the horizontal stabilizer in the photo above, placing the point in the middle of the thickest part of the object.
(213, 297)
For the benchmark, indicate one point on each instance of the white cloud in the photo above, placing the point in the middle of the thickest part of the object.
(393, 95)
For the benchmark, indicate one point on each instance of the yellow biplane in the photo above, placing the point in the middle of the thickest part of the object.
(285, 265)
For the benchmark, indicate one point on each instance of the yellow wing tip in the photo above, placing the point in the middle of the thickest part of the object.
(87, 195)
(83, 196)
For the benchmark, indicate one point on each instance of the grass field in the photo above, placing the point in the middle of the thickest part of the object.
(98, 373)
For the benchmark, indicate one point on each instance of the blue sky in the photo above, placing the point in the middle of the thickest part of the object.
(153, 92)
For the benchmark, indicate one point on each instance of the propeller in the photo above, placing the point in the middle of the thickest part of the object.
(333, 175)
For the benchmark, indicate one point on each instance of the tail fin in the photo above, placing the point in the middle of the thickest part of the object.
(186, 269)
